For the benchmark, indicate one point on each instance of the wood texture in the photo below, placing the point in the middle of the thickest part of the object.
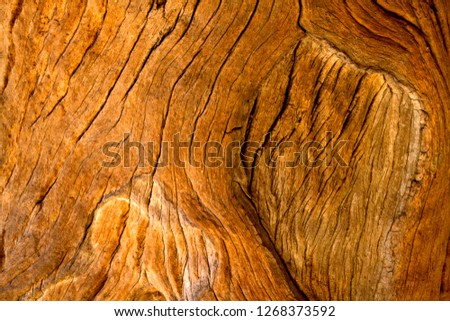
(370, 75)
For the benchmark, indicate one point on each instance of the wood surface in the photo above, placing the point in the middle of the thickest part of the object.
(368, 223)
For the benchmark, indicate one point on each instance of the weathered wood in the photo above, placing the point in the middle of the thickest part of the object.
(363, 215)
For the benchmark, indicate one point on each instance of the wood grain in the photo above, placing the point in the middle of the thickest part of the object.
(371, 77)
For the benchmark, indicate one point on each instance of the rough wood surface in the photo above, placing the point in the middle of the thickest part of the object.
(371, 77)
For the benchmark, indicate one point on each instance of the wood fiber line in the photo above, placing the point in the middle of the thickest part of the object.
(370, 77)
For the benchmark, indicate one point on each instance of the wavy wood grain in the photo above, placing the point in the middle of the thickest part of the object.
(77, 75)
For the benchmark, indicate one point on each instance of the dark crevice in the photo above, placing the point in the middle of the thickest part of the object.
(445, 287)
(439, 25)
(247, 133)
(269, 244)
(113, 255)
(74, 33)
(283, 108)
(2, 250)
(11, 51)
(300, 9)
(228, 55)
(286, 95)
(160, 4)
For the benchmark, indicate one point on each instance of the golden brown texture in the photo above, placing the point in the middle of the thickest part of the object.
(77, 75)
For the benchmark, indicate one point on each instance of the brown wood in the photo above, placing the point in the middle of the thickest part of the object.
(368, 220)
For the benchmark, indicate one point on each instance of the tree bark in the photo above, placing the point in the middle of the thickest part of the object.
(102, 102)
